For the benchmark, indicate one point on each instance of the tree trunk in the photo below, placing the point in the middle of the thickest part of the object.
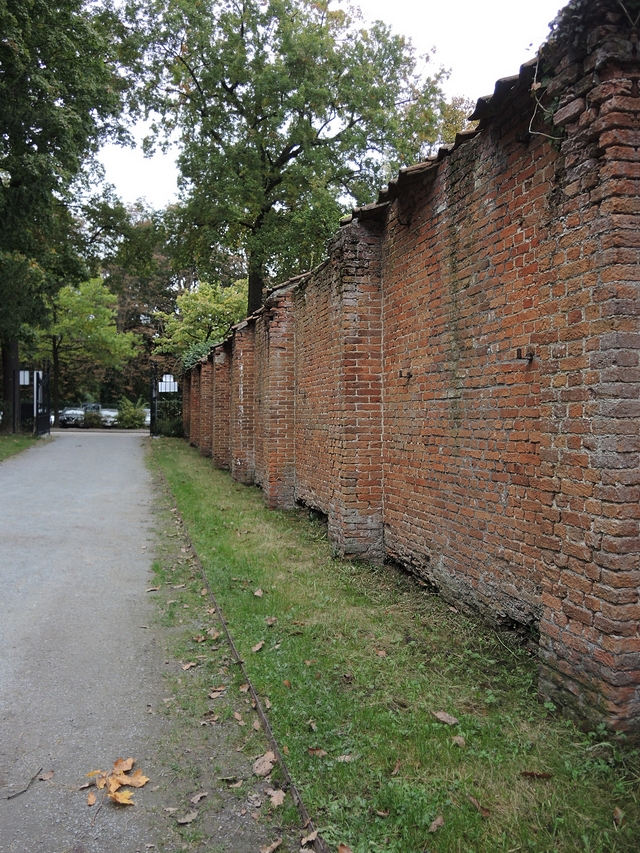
(256, 283)
(10, 389)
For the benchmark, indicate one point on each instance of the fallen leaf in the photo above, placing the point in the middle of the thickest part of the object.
(312, 725)
(44, 777)
(237, 784)
(310, 662)
(189, 665)
(534, 774)
(170, 809)
(445, 718)
(258, 593)
(123, 765)
(618, 816)
(344, 848)
(256, 725)
(320, 753)
(458, 740)
(254, 801)
(122, 797)
(287, 683)
(437, 823)
(188, 818)
(203, 591)
(153, 588)
(344, 759)
(257, 646)
(200, 639)
(276, 798)
(244, 688)
(484, 812)
(309, 838)
(396, 768)
(285, 749)
(271, 847)
(237, 715)
(383, 814)
(267, 703)
(271, 620)
(197, 797)
(91, 798)
(213, 634)
(381, 653)
(264, 765)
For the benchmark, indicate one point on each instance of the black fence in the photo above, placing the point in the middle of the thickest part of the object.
(165, 401)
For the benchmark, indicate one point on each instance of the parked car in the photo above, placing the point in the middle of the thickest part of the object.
(109, 417)
(71, 416)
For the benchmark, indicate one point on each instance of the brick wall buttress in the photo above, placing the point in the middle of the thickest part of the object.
(242, 403)
(206, 405)
(221, 391)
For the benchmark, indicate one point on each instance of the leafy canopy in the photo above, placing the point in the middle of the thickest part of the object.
(61, 92)
(286, 110)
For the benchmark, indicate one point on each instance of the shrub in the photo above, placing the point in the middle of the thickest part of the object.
(130, 415)
(92, 420)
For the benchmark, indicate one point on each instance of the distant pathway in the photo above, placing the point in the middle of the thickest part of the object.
(77, 667)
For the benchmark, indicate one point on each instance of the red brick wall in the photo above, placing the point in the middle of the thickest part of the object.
(457, 386)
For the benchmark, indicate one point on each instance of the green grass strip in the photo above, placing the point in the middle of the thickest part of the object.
(355, 660)
(12, 444)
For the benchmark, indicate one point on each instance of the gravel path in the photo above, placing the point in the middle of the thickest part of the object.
(78, 668)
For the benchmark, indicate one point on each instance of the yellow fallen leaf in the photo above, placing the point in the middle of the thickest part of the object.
(381, 653)
(309, 838)
(320, 753)
(122, 797)
(91, 798)
(122, 765)
(113, 783)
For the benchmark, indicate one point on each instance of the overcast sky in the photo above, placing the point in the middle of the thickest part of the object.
(478, 40)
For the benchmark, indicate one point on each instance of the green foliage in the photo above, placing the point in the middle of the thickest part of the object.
(83, 341)
(92, 420)
(130, 415)
(286, 110)
(203, 317)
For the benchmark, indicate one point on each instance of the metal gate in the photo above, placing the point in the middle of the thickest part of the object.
(165, 403)
(41, 402)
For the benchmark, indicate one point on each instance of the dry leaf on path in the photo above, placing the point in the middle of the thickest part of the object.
(123, 765)
(309, 838)
(122, 797)
(91, 798)
(256, 725)
(153, 589)
(237, 784)
(257, 646)
(189, 665)
(44, 777)
(244, 688)
(258, 593)
(271, 847)
(197, 797)
(445, 718)
(437, 823)
(188, 818)
(483, 811)
(264, 765)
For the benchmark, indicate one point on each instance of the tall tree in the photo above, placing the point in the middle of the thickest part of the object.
(287, 110)
(61, 91)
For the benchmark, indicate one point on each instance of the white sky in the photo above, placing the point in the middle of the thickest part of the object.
(478, 40)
